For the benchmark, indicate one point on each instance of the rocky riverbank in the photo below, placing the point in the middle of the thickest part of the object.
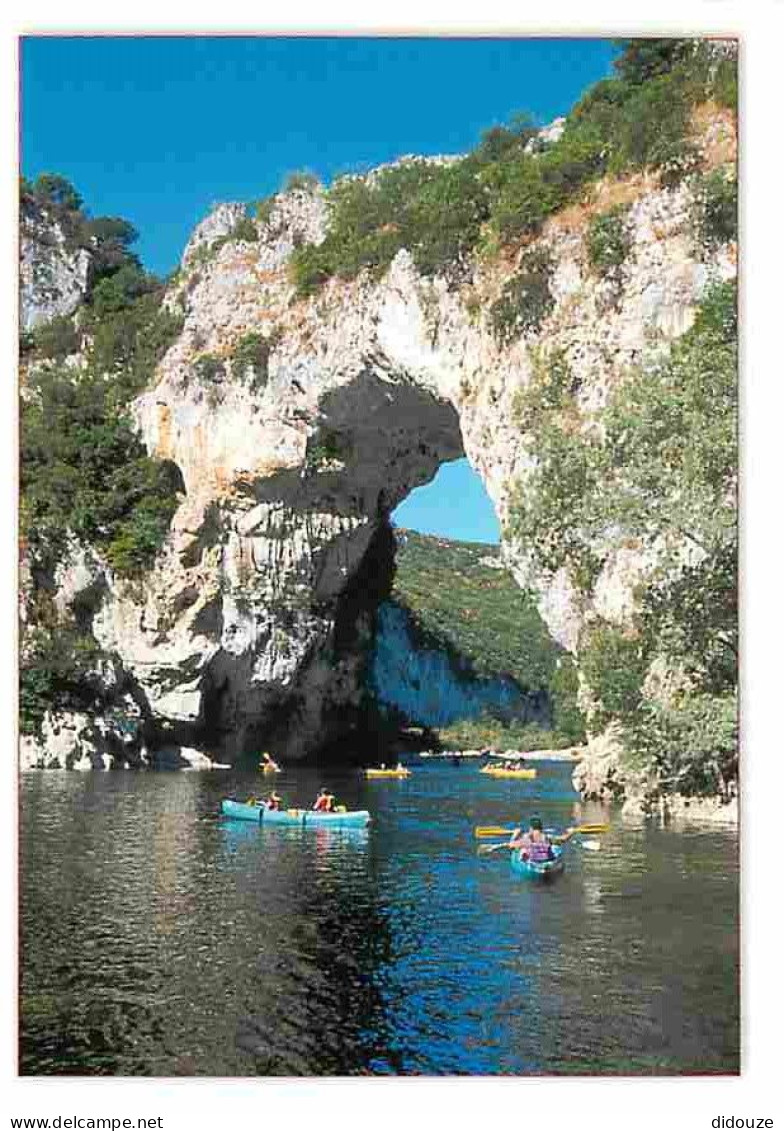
(604, 774)
(73, 740)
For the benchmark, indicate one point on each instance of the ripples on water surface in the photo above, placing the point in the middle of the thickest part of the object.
(158, 939)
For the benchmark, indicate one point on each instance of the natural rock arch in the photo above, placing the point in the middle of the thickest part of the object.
(252, 623)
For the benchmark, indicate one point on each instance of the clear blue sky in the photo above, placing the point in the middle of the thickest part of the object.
(453, 505)
(158, 129)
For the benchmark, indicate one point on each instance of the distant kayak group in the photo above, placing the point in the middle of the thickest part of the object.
(522, 773)
(534, 852)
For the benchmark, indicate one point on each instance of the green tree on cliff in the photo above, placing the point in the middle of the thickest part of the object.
(660, 472)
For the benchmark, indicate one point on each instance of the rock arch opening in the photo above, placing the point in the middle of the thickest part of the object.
(454, 504)
(306, 558)
(294, 570)
(459, 648)
(321, 653)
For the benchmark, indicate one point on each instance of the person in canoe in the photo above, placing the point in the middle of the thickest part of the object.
(269, 763)
(534, 845)
(274, 802)
(325, 802)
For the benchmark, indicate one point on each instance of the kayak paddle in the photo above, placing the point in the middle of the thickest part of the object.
(486, 849)
(482, 831)
(579, 829)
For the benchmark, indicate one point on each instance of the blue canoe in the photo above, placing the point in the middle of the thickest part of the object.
(294, 817)
(545, 870)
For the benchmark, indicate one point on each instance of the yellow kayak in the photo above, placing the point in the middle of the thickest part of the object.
(269, 768)
(387, 773)
(497, 772)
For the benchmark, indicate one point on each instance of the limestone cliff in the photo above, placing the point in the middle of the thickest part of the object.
(53, 273)
(253, 625)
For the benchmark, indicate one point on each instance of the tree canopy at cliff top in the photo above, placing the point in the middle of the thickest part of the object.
(502, 191)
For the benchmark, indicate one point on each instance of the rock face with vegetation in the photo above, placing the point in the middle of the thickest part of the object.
(557, 306)
(461, 649)
(53, 272)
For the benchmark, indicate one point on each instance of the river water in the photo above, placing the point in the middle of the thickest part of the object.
(157, 938)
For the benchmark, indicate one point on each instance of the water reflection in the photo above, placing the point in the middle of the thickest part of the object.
(315, 1003)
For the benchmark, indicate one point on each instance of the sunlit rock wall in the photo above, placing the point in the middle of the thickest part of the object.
(233, 638)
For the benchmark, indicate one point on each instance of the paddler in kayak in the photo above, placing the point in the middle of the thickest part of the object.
(534, 845)
(274, 802)
(325, 802)
(269, 763)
